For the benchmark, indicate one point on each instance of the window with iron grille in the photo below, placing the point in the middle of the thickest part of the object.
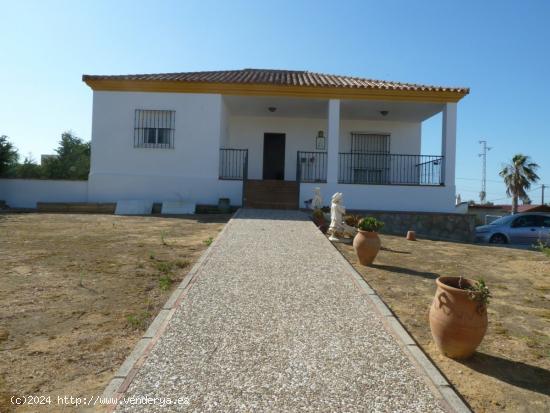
(370, 157)
(154, 128)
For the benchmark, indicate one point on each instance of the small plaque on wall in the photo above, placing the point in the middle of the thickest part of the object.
(320, 141)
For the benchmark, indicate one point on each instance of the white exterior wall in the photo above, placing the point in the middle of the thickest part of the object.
(203, 125)
(25, 193)
(247, 132)
(189, 171)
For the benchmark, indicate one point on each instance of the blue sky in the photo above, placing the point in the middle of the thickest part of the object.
(500, 49)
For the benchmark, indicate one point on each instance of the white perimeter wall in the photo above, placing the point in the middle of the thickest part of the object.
(189, 171)
(25, 193)
(247, 132)
(386, 197)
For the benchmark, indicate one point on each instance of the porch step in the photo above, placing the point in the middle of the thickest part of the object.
(271, 194)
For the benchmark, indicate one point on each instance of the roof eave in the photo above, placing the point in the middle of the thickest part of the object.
(246, 89)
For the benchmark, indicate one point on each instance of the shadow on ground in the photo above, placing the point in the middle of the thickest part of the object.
(403, 270)
(394, 251)
(512, 372)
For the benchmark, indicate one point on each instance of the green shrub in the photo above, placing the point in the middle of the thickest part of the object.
(182, 263)
(543, 247)
(370, 224)
(164, 267)
(165, 282)
(138, 321)
(352, 220)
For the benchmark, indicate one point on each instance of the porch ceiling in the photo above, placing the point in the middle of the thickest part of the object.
(318, 108)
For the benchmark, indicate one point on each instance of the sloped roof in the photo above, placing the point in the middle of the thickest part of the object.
(279, 77)
(271, 82)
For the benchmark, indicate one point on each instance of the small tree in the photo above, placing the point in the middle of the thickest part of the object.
(29, 169)
(8, 157)
(518, 177)
(72, 160)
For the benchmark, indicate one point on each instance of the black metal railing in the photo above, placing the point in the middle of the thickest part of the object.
(233, 164)
(311, 166)
(389, 169)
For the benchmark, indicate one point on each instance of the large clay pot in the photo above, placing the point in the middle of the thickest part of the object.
(366, 245)
(458, 323)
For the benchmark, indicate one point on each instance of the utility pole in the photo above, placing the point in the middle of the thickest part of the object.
(542, 200)
(483, 155)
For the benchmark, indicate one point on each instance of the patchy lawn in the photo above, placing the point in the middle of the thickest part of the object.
(78, 291)
(511, 370)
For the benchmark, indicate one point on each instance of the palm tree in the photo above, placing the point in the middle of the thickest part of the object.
(518, 177)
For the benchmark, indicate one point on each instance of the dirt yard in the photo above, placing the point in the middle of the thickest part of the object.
(77, 292)
(511, 370)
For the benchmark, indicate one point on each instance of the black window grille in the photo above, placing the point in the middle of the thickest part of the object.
(154, 128)
(370, 142)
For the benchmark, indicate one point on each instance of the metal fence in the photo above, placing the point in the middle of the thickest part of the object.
(233, 164)
(311, 166)
(389, 169)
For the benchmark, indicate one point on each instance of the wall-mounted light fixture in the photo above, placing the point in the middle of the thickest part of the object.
(272, 109)
(320, 141)
(384, 112)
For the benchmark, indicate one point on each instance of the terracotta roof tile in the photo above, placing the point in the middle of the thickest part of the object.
(280, 77)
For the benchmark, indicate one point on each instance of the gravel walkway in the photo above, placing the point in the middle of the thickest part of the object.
(274, 322)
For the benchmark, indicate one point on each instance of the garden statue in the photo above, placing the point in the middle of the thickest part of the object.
(338, 228)
(317, 202)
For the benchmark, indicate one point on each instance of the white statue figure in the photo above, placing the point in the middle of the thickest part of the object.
(338, 228)
(317, 202)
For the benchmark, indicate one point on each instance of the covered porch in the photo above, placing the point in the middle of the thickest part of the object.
(335, 142)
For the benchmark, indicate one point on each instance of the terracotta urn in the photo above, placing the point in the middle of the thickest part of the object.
(366, 245)
(458, 322)
(411, 235)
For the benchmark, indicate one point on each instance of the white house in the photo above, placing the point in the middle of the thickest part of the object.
(268, 137)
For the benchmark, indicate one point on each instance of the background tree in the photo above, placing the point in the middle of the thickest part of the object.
(8, 157)
(29, 169)
(72, 160)
(518, 177)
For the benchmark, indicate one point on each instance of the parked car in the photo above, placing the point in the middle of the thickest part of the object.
(527, 228)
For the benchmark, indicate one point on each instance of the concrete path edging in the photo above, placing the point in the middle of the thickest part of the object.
(415, 353)
(127, 371)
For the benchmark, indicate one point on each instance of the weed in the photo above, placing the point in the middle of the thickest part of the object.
(163, 237)
(479, 292)
(138, 321)
(164, 266)
(543, 247)
(182, 263)
(208, 241)
(140, 265)
(165, 282)
(151, 255)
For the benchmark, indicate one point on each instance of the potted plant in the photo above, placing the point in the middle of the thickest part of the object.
(367, 242)
(458, 315)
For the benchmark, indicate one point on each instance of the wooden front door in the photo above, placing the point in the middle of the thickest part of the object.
(274, 156)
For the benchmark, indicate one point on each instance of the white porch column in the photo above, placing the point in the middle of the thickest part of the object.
(333, 140)
(448, 144)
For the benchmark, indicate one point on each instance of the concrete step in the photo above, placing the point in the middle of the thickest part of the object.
(271, 194)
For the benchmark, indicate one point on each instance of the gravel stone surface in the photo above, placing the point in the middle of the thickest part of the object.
(274, 322)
